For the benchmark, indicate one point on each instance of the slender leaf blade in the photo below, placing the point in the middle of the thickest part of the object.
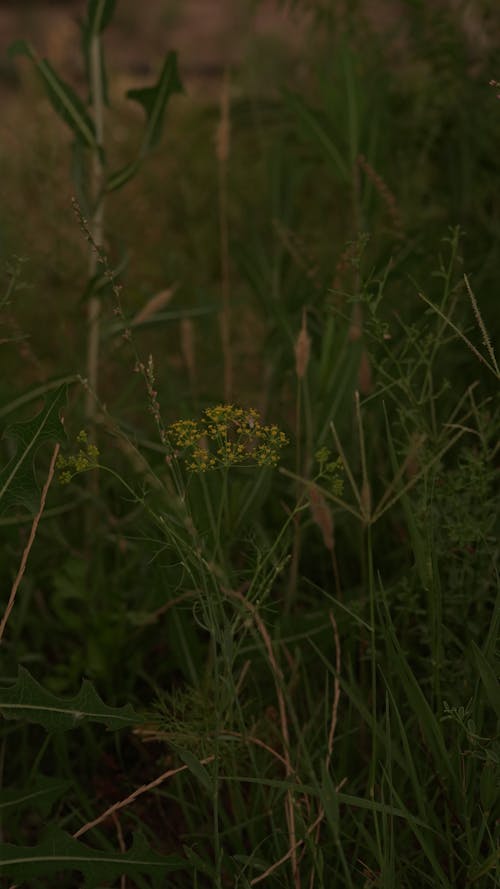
(100, 13)
(120, 177)
(314, 131)
(154, 100)
(488, 678)
(195, 766)
(66, 103)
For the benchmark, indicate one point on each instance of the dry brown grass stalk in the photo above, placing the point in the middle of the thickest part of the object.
(145, 788)
(31, 539)
(322, 515)
(386, 195)
(154, 305)
(302, 348)
(278, 681)
(188, 349)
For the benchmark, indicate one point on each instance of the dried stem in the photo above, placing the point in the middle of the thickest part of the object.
(278, 680)
(31, 538)
(145, 788)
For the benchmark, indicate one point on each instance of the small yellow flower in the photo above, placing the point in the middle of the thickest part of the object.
(225, 436)
(85, 459)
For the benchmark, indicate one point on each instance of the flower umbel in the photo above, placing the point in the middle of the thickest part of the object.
(84, 460)
(225, 436)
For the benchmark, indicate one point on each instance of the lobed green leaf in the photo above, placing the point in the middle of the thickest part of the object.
(29, 701)
(59, 852)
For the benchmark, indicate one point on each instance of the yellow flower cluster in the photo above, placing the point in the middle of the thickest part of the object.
(225, 436)
(83, 461)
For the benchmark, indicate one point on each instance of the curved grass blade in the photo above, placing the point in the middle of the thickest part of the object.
(314, 131)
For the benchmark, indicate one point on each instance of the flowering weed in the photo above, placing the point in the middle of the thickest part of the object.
(83, 461)
(226, 436)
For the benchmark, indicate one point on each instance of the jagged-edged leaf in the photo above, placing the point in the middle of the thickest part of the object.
(154, 100)
(18, 486)
(67, 104)
(28, 700)
(39, 798)
(99, 15)
(59, 852)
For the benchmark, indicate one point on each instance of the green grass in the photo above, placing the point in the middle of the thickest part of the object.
(295, 666)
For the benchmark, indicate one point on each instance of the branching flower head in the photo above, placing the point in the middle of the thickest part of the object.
(225, 436)
(83, 461)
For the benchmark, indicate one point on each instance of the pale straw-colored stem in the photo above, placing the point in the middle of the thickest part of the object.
(278, 681)
(31, 538)
(145, 788)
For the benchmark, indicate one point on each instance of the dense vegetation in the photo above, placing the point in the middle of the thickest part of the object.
(248, 473)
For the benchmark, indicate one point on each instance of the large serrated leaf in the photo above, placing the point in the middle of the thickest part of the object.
(154, 100)
(18, 486)
(29, 701)
(70, 108)
(59, 852)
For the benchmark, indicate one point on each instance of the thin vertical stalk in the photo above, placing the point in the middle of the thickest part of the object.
(222, 152)
(96, 225)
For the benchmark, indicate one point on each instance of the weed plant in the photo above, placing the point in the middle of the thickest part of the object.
(261, 646)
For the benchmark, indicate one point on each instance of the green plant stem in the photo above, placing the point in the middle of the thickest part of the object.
(373, 654)
(96, 225)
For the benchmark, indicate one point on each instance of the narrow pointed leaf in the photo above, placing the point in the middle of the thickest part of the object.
(18, 486)
(100, 13)
(154, 100)
(122, 176)
(314, 130)
(28, 700)
(39, 798)
(62, 97)
(427, 720)
(195, 766)
(488, 678)
(59, 852)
